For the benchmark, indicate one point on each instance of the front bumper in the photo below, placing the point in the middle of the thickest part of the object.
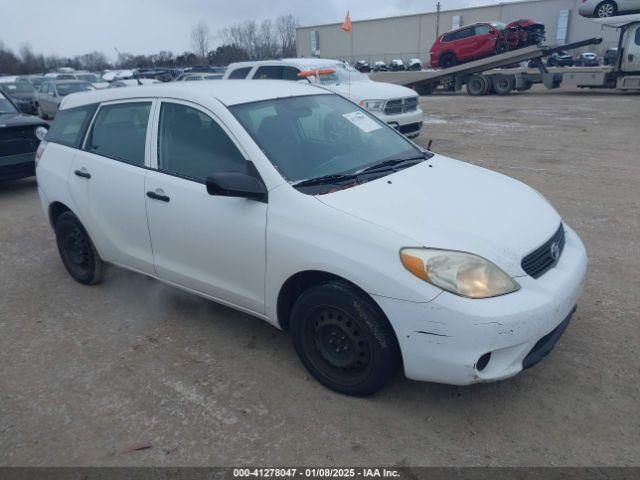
(444, 340)
(409, 123)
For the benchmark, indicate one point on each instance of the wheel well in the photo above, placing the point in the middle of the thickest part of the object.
(299, 283)
(55, 210)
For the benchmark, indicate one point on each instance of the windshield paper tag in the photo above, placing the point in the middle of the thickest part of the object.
(361, 121)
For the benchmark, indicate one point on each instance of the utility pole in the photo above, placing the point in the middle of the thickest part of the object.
(437, 19)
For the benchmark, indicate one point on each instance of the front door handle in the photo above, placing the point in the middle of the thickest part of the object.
(158, 195)
(83, 173)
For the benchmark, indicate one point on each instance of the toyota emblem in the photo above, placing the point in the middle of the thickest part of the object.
(555, 251)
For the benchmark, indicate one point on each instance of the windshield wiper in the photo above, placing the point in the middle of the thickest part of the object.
(325, 179)
(392, 162)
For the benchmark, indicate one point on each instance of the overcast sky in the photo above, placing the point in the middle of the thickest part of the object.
(71, 27)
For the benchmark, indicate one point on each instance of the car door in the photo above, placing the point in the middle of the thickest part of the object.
(484, 40)
(465, 43)
(107, 179)
(214, 245)
(631, 54)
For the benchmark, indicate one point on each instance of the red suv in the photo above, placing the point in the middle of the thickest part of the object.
(483, 40)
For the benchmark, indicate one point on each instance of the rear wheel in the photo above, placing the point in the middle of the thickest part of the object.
(76, 249)
(448, 60)
(606, 9)
(503, 84)
(343, 339)
(478, 85)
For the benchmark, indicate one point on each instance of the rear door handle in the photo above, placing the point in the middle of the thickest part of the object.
(158, 195)
(83, 173)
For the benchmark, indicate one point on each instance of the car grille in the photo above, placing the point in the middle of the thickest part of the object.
(401, 105)
(17, 140)
(538, 262)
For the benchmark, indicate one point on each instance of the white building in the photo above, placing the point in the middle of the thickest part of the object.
(410, 36)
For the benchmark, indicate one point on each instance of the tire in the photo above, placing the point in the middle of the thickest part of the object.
(606, 9)
(425, 89)
(448, 60)
(503, 84)
(338, 316)
(478, 85)
(78, 254)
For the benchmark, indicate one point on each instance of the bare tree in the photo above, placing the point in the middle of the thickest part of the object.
(286, 27)
(201, 39)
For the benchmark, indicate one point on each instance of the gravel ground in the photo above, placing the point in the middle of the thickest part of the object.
(88, 372)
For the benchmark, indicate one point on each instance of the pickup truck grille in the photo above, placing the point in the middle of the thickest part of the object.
(538, 262)
(401, 105)
(17, 140)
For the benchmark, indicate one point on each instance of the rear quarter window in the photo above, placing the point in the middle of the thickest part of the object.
(240, 73)
(70, 126)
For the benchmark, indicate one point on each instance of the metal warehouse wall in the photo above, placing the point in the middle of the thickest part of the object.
(412, 35)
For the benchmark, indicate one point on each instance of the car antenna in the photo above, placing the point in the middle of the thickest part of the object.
(429, 144)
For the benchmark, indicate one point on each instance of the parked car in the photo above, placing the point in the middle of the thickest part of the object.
(133, 82)
(560, 59)
(587, 59)
(21, 94)
(111, 75)
(482, 40)
(336, 228)
(380, 66)
(13, 79)
(48, 97)
(36, 80)
(610, 56)
(190, 77)
(363, 66)
(393, 104)
(396, 65)
(20, 135)
(607, 8)
(414, 64)
(93, 79)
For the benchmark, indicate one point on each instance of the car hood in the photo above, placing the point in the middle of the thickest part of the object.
(357, 91)
(19, 119)
(448, 204)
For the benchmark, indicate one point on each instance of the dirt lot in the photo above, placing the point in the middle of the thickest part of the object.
(88, 371)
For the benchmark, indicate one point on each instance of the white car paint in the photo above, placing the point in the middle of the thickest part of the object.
(357, 89)
(356, 234)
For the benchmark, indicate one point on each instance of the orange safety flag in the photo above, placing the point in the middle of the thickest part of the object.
(346, 26)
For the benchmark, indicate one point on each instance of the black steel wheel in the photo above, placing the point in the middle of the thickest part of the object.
(448, 60)
(343, 339)
(478, 85)
(76, 249)
(503, 84)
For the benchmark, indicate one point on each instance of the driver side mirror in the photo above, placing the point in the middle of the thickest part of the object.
(236, 184)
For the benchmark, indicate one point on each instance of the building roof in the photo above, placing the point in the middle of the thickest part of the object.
(229, 92)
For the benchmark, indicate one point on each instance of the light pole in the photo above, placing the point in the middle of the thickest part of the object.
(437, 19)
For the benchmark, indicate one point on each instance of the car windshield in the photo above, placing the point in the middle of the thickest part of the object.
(67, 88)
(343, 74)
(21, 87)
(319, 135)
(6, 106)
(498, 25)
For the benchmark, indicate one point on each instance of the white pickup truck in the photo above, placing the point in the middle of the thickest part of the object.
(396, 105)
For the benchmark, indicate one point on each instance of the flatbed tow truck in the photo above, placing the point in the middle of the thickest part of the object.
(494, 75)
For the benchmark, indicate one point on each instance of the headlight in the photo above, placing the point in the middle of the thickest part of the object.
(373, 105)
(41, 132)
(461, 273)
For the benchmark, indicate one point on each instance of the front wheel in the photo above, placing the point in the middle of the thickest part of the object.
(343, 339)
(76, 249)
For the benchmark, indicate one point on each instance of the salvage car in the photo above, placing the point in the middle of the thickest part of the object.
(482, 40)
(21, 93)
(363, 66)
(560, 59)
(370, 251)
(20, 136)
(48, 97)
(394, 104)
(380, 66)
(414, 64)
(587, 59)
(397, 65)
(607, 8)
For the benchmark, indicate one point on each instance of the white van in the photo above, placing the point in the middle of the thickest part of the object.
(396, 105)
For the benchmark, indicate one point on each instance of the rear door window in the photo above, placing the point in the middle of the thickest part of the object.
(240, 73)
(120, 132)
(268, 72)
(290, 73)
(70, 125)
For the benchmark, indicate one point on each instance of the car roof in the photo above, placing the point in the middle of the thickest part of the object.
(229, 92)
(304, 63)
(61, 82)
